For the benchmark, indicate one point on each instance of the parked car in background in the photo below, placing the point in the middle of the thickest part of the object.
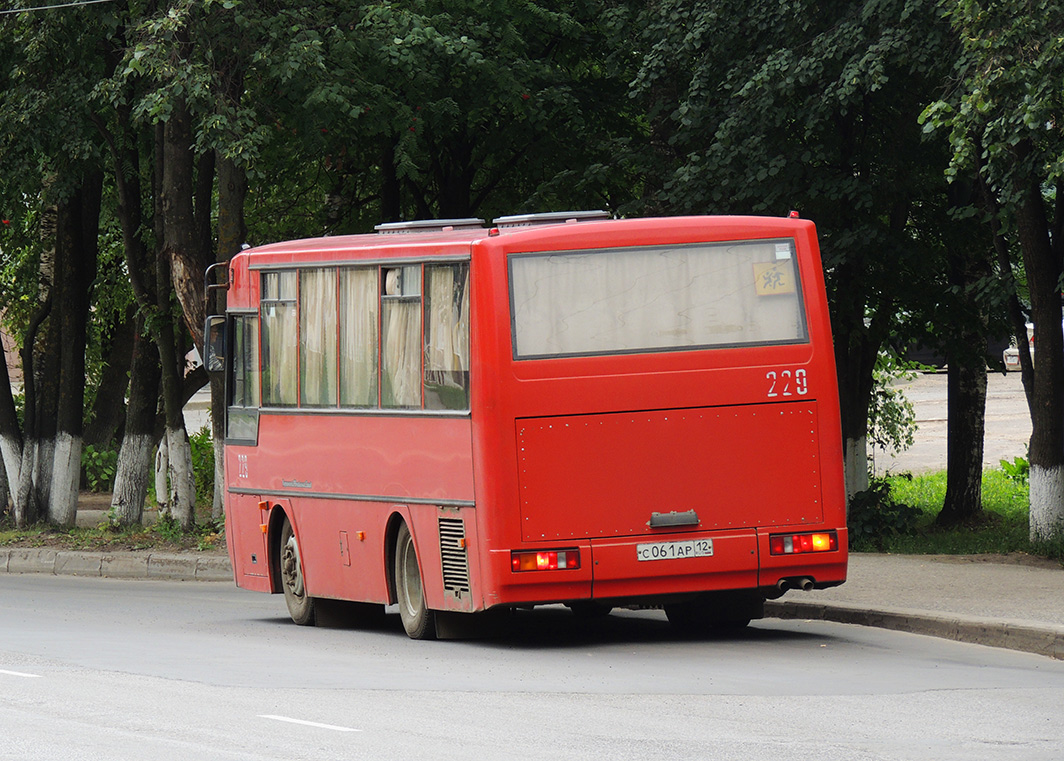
(1011, 355)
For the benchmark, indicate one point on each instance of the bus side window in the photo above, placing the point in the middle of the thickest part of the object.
(242, 418)
(401, 337)
(280, 330)
(317, 338)
(447, 337)
(359, 318)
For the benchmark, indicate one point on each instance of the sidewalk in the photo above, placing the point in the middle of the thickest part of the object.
(1015, 603)
(1001, 601)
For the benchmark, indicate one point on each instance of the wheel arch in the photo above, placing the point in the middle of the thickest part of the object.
(278, 513)
(391, 534)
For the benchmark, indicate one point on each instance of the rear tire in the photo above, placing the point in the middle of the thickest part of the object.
(720, 611)
(300, 604)
(418, 621)
(588, 609)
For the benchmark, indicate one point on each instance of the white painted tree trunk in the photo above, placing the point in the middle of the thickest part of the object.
(25, 498)
(66, 478)
(43, 464)
(131, 479)
(11, 452)
(217, 507)
(182, 478)
(162, 471)
(1047, 503)
(855, 462)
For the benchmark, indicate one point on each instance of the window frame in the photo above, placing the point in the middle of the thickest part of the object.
(803, 338)
(381, 266)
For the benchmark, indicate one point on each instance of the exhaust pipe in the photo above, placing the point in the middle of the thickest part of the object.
(803, 583)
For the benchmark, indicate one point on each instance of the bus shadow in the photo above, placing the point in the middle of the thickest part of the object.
(550, 628)
(555, 627)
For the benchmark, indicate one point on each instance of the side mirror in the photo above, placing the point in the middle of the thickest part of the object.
(214, 343)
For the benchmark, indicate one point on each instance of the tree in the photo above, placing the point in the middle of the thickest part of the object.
(1004, 119)
(814, 107)
(50, 165)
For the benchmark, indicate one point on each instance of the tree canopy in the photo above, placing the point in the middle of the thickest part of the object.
(197, 125)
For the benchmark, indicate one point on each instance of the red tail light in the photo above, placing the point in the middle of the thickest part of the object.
(794, 544)
(545, 560)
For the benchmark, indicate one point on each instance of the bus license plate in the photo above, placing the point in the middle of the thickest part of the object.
(696, 548)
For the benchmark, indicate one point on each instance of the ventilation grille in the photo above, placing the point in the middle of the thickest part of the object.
(453, 555)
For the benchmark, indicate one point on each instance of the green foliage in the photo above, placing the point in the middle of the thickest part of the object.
(167, 529)
(1006, 114)
(1004, 530)
(98, 466)
(1017, 469)
(891, 418)
(104, 537)
(875, 517)
(202, 444)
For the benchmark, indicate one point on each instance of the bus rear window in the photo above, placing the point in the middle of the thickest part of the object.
(652, 299)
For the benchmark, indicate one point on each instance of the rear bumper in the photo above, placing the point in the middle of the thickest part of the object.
(611, 570)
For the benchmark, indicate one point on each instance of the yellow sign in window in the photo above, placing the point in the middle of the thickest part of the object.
(771, 278)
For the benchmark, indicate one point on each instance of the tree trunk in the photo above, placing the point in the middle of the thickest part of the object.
(79, 223)
(109, 408)
(179, 267)
(966, 415)
(26, 508)
(1043, 268)
(232, 233)
(10, 434)
(162, 471)
(46, 353)
(855, 359)
(181, 240)
(134, 458)
(182, 477)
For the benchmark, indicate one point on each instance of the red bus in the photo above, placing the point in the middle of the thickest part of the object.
(560, 408)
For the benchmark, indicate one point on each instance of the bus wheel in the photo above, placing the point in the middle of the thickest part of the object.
(300, 604)
(722, 611)
(587, 609)
(418, 621)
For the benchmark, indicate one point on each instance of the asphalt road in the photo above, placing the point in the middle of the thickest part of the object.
(108, 669)
(1008, 424)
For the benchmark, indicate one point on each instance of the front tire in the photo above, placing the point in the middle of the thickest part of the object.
(300, 604)
(418, 621)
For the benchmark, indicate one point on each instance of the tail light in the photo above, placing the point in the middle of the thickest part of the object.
(794, 544)
(544, 560)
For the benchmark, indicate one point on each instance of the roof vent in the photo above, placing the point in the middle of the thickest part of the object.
(430, 225)
(550, 218)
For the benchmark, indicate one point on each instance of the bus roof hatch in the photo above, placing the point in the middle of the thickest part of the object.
(429, 225)
(550, 218)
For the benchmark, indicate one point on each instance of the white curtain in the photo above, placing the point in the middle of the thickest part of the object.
(317, 337)
(280, 332)
(359, 301)
(401, 338)
(628, 300)
(447, 337)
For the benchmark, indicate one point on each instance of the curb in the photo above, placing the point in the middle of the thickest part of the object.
(119, 565)
(1044, 640)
